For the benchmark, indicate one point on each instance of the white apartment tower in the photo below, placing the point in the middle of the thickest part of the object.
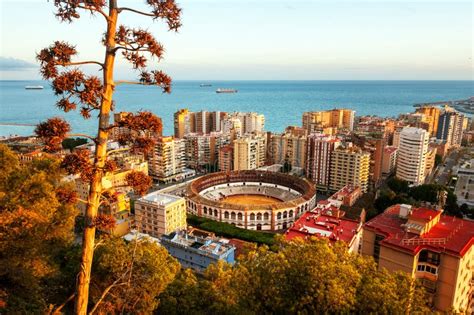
(412, 154)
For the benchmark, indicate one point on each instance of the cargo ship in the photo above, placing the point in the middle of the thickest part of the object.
(226, 91)
(34, 87)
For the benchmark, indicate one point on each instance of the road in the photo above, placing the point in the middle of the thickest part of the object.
(442, 174)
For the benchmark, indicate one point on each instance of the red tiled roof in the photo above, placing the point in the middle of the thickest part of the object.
(318, 224)
(424, 214)
(450, 234)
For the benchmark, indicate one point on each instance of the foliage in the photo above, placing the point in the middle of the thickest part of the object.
(130, 276)
(231, 231)
(71, 143)
(398, 185)
(301, 278)
(36, 225)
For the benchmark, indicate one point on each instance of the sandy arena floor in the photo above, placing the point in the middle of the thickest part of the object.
(250, 199)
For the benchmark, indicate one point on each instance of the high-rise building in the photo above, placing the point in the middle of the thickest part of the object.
(389, 160)
(226, 158)
(182, 123)
(120, 132)
(349, 166)
(249, 122)
(433, 112)
(412, 154)
(335, 118)
(374, 143)
(157, 214)
(436, 249)
(319, 148)
(202, 149)
(451, 126)
(288, 147)
(204, 122)
(250, 152)
(167, 160)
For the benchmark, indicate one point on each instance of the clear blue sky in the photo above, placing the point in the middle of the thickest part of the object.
(263, 39)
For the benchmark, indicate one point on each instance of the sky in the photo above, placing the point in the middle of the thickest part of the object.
(266, 39)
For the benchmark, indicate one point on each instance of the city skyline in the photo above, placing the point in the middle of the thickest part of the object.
(304, 40)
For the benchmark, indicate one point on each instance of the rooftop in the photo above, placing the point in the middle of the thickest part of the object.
(160, 198)
(324, 223)
(212, 246)
(450, 234)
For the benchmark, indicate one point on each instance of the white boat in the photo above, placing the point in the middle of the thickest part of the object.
(34, 87)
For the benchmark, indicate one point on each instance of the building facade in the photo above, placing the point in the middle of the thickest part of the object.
(319, 148)
(157, 214)
(335, 118)
(250, 152)
(349, 166)
(412, 155)
(167, 160)
(434, 248)
(288, 147)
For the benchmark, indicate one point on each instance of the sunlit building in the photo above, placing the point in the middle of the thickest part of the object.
(349, 166)
(436, 249)
(319, 148)
(412, 154)
(167, 160)
(335, 118)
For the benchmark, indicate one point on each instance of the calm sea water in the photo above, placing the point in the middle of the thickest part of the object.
(282, 102)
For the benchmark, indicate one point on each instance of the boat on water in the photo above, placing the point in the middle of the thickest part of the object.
(34, 87)
(226, 91)
(205, 85)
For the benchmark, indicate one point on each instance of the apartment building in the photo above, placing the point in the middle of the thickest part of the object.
(319, 148)
(186, 122)
(167, 160)
(288, 147)
(249, 122)
(436, 249)
(374, 143)
(389, 160)
(335, 118)
(412, 155)
(250, 152)
(226, 158)
(202, 149)
(349, 167)
(451, 127)
(433, 113)
(157, 214)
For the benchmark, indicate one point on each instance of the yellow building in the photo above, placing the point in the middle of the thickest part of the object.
(250, 152)
(157, 214)
(324, 120)
(180, 121)
(349, 166)
(288, 146)
(433, 113)
(434, 248)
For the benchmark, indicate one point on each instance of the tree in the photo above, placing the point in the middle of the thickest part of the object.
(130, 276)
(398, 185)
(301, 277)
(36, 227)
(93, 94)
(71, 143)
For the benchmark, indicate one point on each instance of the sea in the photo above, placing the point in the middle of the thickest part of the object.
(282, 102)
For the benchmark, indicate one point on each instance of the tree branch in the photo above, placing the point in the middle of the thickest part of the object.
(59, 308)
(87, 7)
(131, 49)
(131, 82)
(135, 11)
(77, 63)
(106, 291)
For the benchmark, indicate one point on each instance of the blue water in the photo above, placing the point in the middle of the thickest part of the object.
(282, 102)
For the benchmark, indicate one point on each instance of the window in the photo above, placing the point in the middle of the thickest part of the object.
(252, 217)
(378, 238)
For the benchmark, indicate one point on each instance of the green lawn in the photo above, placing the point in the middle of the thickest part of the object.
(231, 231)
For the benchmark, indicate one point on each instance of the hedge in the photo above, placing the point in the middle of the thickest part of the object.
(231, 231)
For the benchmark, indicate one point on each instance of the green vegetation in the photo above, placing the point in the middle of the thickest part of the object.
(399, 192)
(71, 143)
(300, 278)
(231, 231)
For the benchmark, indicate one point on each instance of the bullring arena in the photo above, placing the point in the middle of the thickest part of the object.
(255, 200)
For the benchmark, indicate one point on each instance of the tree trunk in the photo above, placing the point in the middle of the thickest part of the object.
(88, 238)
